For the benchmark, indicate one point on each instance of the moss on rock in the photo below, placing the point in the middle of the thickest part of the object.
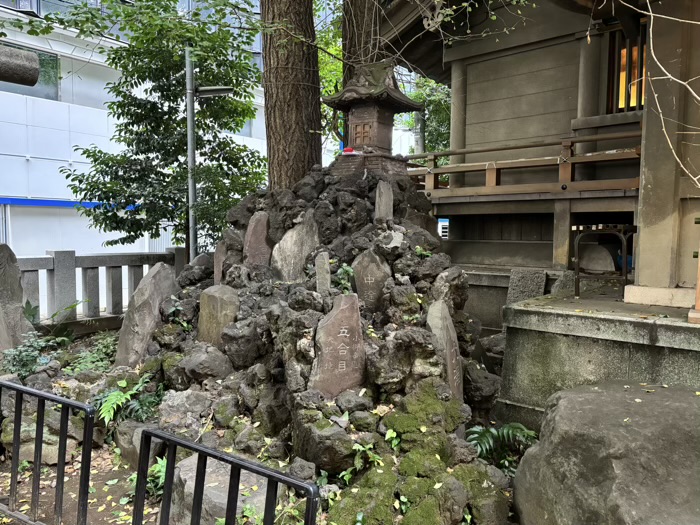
(374, 498)
(421, 463)
(427, 511)
(489, 504)
(423, 407)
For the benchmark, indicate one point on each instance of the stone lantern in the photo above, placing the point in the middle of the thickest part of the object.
(371, 99)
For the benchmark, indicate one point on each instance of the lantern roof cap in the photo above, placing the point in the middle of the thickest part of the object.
(373, 83)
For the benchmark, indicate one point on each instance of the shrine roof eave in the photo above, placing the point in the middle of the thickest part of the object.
(381, 96)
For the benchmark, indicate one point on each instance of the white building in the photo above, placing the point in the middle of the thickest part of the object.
(41, 125)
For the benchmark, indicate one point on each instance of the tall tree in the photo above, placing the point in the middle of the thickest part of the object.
(292, 90)
(143, 187)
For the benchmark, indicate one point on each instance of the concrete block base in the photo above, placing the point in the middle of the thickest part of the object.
(673, 297)
(554, 345)
(694, 317)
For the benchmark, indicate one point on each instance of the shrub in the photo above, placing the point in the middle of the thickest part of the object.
(35, 351)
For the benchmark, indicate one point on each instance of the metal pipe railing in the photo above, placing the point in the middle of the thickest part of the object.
(88, 429)
(172, 442)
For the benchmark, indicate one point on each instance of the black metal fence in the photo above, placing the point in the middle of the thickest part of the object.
(66, 406)
(274, 479)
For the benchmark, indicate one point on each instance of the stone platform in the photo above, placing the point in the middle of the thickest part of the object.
(559, 343)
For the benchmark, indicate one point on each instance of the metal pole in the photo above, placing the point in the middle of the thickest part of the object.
(191, 153)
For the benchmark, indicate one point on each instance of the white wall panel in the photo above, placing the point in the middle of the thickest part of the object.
(14, 108)
(49, 143)
(89, 121)
(13, 176)
(47, 114)
(46, 182)
(13, 139)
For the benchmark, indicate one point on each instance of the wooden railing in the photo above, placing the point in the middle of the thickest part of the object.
(566, 162)
(694, 315)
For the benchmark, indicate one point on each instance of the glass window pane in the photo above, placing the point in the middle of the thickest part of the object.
(63, 6)
(22, 5)
(47, 86)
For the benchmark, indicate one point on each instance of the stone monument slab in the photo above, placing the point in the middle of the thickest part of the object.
(384, 202)
(340, 351)
(440, 323)
(257, 248)
(371, 272)
(12, 321)
(219, 257)
(323, 273)
(289, 255)
(218, 308)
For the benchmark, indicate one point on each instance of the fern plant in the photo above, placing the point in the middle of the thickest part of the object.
(155, 482)
(109, 405)
(502, 446)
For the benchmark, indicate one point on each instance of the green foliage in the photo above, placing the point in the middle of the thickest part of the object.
(249, 516)
(371, 332)
(35, 351)
(123, 402)
(31, 313)
(365, 456)
(437, 101)
(393, 439)
(403, 504)
(423, 253)
(344, 277)
(155, 482)
(411, 319)
(502, 446)
(99, 357)
(143, 187)
(174, 314)
(329, 37)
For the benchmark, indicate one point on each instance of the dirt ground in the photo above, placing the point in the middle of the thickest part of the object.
(108, 501)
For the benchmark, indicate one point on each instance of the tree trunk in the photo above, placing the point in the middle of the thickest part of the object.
(361, 43)
(292, 90)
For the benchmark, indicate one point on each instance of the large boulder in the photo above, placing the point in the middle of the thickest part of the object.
(289, 255)
(614, 454)
(218, 307)
(216, 487)
(143, 316)
(12, 321)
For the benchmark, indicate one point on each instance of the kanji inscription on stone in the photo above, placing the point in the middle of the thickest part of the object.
(371, 272)
(440, 323)
(340, 352)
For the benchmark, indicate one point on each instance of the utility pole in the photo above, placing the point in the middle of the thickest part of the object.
(191, 153)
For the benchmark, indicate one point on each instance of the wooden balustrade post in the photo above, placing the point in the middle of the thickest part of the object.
(493, 176)
(694, 315)
(431, 179)
(566, 168)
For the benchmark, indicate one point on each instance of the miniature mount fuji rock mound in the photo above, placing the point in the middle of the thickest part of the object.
(334, 320)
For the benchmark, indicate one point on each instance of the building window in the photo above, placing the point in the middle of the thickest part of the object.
(628, 58)
(47, 86)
